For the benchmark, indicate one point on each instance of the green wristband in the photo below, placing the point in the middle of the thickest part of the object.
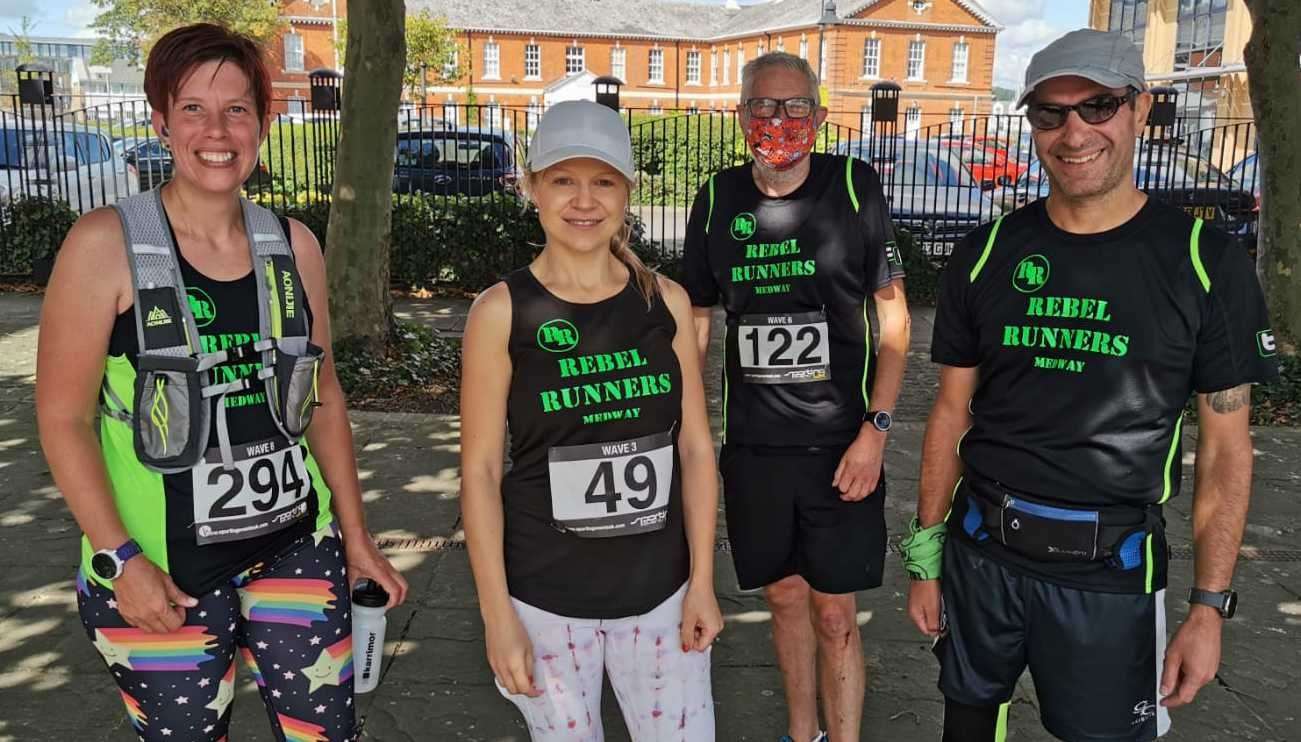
(922, 550)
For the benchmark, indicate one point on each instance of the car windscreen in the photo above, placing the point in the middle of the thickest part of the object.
(449, 151)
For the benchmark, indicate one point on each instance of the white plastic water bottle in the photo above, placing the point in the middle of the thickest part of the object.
(368, 624)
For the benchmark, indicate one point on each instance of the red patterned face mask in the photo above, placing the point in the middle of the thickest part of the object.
(779, 142)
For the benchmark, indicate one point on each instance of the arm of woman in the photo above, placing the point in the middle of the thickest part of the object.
(485, 385)
(90, 284)
(330, 435)
(701, 617)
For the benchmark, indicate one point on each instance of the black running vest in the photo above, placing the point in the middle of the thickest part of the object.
(593, 497)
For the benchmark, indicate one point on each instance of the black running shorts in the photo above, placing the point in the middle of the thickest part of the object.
(785, 518)
(1095, 657)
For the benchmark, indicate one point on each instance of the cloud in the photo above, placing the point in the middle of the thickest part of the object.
(1011, 12)
(79, 17)
(1019, 40)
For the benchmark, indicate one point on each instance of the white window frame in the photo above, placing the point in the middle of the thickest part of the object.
(912, 120)
(619, 62)
(804, 48)
(871, 58)
(918, 59)
(961, 61)
(740, 62)
(781, 43)
(295, 58)
(575, 59)
(450, 69)
(533, 59)
(296, 106)
(654, 59)
(693, 67)
(656, 109)
(956, 117)
(534, 113)
(727, 66)
(491, 60)
(451, 111)
(713, 67)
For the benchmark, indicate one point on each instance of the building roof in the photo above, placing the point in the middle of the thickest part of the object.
(666, 19)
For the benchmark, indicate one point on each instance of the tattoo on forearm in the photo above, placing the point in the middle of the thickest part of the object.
(1230, 400)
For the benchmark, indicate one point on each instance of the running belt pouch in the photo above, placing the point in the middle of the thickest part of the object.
(294, 397)
(1046, 532)
(168, 390)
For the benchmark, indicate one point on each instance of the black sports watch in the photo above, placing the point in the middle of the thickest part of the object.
(107, 564)
(880, 419)
(1226, 602)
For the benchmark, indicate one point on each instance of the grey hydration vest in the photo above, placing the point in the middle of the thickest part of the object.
(174, 381)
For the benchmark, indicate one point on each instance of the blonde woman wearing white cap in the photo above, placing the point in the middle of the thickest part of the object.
(594, 553)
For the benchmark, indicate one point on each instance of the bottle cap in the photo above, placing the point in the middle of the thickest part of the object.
(369, 594)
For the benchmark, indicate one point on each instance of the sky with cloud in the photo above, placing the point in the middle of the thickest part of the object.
(1028, 24)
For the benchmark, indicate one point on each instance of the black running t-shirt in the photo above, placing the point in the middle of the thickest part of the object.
(593, 498)
(794, 275)
(1088, 348)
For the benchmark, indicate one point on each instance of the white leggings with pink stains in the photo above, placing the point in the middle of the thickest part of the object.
(664, 693)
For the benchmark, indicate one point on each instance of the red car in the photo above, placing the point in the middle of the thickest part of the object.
(988, 162)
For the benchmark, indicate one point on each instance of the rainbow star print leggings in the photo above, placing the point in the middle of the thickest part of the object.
(288, 618)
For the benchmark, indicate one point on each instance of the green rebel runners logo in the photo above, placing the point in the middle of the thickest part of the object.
(201, 306)
(1265, 344)
(557, 336)
(744, 226)
(1031, 274)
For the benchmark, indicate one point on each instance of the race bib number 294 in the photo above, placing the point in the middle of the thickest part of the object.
(265, 492)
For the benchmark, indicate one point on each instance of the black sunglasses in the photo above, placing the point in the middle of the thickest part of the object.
(1097, 110)
(766, 108)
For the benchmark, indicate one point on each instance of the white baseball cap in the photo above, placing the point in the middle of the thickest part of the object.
(581, 128)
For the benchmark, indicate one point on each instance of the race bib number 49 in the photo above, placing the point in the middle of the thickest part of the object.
(784, 348)
(620, 488)
(265, 492)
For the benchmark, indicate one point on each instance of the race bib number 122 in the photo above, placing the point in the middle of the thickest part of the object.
(784, 348)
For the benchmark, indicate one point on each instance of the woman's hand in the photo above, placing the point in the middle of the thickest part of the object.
(510, 654)
(701, 618)
(365, 561)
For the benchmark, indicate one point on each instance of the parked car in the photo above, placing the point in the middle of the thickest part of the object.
(77, 164)
(989, 162)
(930, 192)
(1176, 176)
(463, 162)
(1247, 176)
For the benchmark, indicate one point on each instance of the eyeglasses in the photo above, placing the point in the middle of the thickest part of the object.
(1096, 110)
(766, 108)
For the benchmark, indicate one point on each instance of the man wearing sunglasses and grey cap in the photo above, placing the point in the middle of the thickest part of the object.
(1071, 334)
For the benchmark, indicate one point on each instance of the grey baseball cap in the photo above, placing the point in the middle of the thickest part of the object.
(1105, 57)
(581, 128)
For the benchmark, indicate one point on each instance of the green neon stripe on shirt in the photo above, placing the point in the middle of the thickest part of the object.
(1194, 249)
(989, 247)
(1000, 731)
(867, 355)
(1147, 564)
(710, 216)
(849, 182)
(1170, 472)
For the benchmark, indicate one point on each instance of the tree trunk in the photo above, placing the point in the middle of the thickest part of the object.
(357, 242)
(1274, 77)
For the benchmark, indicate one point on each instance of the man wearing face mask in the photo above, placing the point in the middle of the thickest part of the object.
(794, 246)
(1072, 333)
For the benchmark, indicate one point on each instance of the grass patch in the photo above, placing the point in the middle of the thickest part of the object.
(420, 373)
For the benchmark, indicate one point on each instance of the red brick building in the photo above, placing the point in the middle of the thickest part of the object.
(674, 55)
(689, 56)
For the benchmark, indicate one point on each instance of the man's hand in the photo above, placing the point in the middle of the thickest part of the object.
(925, 606)
(860, 467)
(1193, 657)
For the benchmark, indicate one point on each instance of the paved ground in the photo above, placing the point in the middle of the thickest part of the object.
(437, 685)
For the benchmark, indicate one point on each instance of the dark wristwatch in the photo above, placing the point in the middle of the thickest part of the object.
(1226, 602)
(107, 564)
(880, 419)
